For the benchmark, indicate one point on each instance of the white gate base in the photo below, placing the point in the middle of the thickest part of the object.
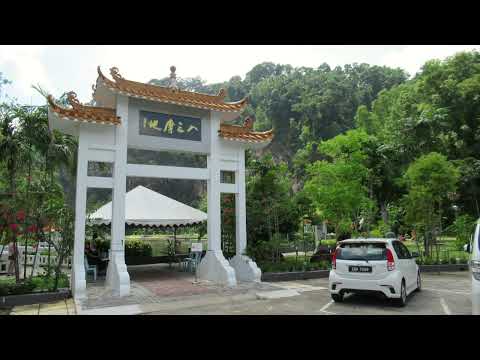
(246, 269)
(78, 283)
(214, 267)
(118, 278)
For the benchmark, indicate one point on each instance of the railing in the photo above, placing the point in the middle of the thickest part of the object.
(40, 262)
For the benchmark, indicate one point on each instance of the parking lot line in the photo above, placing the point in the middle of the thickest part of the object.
(446, 310)
(328, 312)
(325, 307)
(449, 291)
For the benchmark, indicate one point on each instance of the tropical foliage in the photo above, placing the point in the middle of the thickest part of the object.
(365, 148)
(32, 199)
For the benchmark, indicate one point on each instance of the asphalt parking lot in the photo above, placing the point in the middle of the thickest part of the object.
(442, 294)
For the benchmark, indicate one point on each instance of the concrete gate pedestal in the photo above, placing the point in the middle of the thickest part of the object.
(117, 277)
(214, 267)
(245, 268)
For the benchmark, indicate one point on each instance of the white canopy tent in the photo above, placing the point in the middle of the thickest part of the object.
(145, 207)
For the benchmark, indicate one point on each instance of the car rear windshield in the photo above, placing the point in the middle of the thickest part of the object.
(362, 251)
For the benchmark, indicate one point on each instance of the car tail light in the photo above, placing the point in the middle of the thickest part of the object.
(390, 261)
(334, 258)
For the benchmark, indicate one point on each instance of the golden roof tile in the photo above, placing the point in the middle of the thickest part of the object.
(79, 112)
(169, 94)
(244, 133)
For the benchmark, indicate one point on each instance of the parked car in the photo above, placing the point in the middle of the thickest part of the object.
(382, 266)
(475, 269)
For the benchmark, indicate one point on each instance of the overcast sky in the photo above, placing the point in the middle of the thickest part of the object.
(64, 68)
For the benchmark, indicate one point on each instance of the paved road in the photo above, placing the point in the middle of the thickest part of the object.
(442, 294)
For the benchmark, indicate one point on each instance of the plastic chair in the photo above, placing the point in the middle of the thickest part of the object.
(90, 269)
(193, 260)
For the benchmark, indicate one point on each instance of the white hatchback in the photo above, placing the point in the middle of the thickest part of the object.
(382, 266)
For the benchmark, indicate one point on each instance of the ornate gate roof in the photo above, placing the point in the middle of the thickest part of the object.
(167, 94)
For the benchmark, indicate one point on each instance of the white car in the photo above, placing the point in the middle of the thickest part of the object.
(382, 266)
(475, 268)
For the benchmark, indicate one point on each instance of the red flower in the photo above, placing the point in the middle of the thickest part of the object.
(32, 229)
(21, 215)
(14, 227)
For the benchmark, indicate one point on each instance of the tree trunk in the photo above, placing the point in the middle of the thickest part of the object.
(425, 243)
(14, 235)
(36, 252)
(476, 206)
(58, 270)
(25, 255)
(384, 212)
(49, 250)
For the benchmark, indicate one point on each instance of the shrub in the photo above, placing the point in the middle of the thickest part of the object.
(444, 261)
(453, 260)
(376, 233)
(463, 260)
(137, 248)
(11, 288)
(429, 261)
(103, 245)
(265, 251)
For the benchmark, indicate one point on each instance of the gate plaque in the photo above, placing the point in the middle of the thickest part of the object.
(170, 126)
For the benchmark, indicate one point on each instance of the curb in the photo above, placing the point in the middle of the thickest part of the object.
(295, 275)
(35, 298)
(318, 274)
(445, 267)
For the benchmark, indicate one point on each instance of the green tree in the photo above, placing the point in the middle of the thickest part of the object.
(270, 201)
(430, 180)
(337, 190)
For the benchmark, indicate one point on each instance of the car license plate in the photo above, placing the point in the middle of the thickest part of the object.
(362, 269)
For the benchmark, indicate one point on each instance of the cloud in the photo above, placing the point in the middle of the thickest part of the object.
(413, 57)
(65, 68)
(23, 66)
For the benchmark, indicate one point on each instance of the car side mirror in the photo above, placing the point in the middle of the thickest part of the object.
(415, 254)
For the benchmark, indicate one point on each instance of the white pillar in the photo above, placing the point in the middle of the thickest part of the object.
(117, 276)
(240, 204)
(78, 281)
(245, 268)
(214, 267)
(213, 204)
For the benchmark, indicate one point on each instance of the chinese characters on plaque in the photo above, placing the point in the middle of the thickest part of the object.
(170, 126)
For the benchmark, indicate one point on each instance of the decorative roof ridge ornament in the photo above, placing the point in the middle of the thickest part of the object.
(100, 74)
(115, 73)
(173, 79)
(222, 93)
(73, 100)
(51, 101)
(248, 123)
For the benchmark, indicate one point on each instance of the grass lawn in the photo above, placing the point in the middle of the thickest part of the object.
(447, 249)
(159, 242)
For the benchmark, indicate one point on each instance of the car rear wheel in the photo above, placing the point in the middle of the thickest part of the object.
(337, 297)
(402, 301)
